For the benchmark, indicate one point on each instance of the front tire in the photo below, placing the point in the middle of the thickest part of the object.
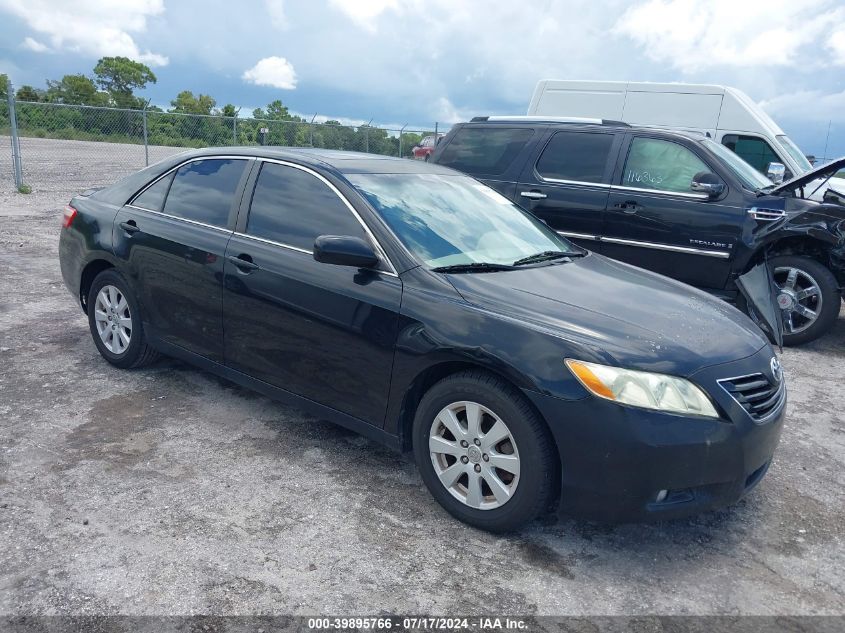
(484, 453)
(810, 293)
(114, 318)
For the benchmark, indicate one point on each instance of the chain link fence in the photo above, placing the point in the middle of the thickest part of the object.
(74, 147)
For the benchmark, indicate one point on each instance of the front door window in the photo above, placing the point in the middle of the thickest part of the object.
(661, 165)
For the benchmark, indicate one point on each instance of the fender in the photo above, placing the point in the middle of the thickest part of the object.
(87, 239)
(822, 223)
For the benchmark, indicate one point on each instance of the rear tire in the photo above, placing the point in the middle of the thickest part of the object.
(114, 318)
(825, 303)
(508, 436)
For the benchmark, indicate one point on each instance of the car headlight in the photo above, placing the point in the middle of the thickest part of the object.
(643, 389)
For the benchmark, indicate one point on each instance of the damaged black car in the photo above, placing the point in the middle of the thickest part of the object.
(801, 233)
(677, 203)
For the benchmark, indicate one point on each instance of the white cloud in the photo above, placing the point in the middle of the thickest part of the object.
(90, 27)
(692, 35)
(276, 11)
(276, 72)
(836, 44)
(364, 12)
(34, 45)
(444, 110)
(807, 105)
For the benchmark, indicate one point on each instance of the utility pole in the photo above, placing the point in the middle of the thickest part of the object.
(827, 140)
(16, 144)
(146, 144)
(400, 139)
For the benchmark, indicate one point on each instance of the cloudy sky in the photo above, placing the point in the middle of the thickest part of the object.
(420, 61)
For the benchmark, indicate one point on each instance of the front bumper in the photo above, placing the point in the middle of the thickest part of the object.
(616, 460)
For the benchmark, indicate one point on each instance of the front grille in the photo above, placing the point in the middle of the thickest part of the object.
(756, 394)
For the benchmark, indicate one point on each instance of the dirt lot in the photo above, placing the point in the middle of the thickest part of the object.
(168, 491)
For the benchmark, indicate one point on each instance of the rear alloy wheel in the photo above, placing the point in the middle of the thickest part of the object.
(809, 297)
(484, 453)
(114, 318)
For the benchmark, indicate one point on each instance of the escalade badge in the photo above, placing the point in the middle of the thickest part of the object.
(777, 370)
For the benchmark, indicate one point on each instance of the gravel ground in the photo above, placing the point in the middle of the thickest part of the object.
(169, 491)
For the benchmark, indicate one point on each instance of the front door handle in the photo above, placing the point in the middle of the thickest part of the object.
(629, 206)
(130, 227)
(533, 195)
(243, 262)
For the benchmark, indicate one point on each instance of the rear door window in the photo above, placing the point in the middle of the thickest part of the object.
(661, 165)
(485, 149)
(294, 207)
(153, 197)
(204, 190)
(576, 156)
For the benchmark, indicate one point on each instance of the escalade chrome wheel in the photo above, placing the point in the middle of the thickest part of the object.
(809, 297)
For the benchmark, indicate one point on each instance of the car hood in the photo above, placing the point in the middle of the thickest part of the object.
(635, 318)
(815, 174)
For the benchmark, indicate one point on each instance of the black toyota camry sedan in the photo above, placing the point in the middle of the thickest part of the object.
(424, 310)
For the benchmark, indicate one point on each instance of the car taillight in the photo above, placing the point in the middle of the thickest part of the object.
(70, 215)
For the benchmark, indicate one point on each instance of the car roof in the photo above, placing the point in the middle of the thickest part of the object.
(325, 160)
(569, 122)
(344, 162)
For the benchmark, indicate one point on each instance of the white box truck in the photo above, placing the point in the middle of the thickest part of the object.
(726, 114)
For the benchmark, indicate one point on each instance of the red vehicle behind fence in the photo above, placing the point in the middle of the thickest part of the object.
(426, 147)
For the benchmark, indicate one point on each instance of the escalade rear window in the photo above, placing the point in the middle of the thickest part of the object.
(484, 150)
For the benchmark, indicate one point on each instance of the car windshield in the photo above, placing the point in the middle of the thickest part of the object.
(792, 149)
(455, 220)
(750, 177)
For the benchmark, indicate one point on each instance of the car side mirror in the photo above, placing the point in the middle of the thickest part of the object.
(343, 250)
(706, 182)
(775, 172)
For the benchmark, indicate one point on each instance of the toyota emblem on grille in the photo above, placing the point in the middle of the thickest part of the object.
(777, 370)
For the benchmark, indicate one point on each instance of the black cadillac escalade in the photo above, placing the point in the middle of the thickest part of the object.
(676, 203)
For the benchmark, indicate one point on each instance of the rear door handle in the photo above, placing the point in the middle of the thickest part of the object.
(130, 227)
(243, 262)
(533, 195)
(629, 206)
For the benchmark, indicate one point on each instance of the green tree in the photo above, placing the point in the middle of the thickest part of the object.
(4, 85)
(76, 90)
(229, 110)
(186, 103)
(27, 93)
(278, 111)
(119, 76)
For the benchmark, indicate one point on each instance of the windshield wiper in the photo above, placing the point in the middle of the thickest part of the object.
(547, 256)
(472, 267)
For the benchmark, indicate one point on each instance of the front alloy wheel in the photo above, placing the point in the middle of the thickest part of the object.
(474, 455)
(484, 453)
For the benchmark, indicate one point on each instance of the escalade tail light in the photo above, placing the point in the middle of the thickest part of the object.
(69, 216)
